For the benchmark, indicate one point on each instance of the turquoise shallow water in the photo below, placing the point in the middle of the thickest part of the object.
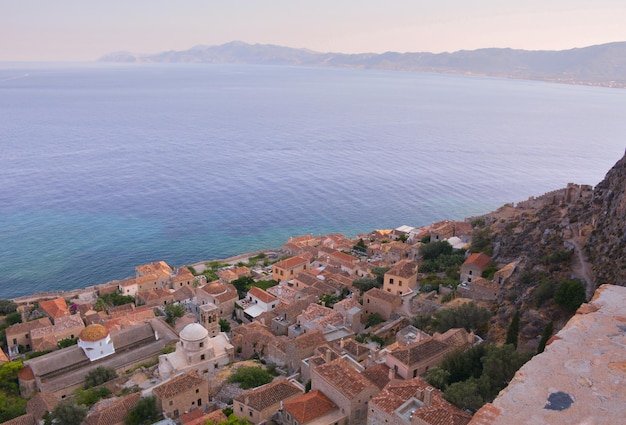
(106, 167)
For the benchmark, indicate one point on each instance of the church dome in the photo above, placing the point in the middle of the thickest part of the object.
(194, 332)
(93, 332)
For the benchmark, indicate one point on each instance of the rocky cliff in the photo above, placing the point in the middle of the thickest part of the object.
(573, 233)
(606, 245)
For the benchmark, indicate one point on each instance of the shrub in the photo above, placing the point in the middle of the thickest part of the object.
(570, 295)
(250, 377)
(99, 376)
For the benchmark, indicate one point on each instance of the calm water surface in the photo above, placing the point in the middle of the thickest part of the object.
(105, 167)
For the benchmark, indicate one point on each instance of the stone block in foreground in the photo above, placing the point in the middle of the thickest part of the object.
(581, 376)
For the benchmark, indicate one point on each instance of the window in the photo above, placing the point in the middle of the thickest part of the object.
(470, 272)
(201, 344)
(197, 390)
(241, 408)
(391, 281)
(400, 283)
(14, 341)
(171, 402)
(250, 413)
(202, 357)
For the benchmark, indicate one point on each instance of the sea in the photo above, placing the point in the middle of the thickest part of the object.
(104, 167)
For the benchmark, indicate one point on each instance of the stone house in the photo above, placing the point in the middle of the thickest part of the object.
(311, 408)
(401, 278)
(352, 312)
(154, 297)
(413, 402)
(410, 361)
(382, 302)
(182, 394)
(480, 289)
(504, 273)
(182, 277)
(287, 315)
(305, 280)
(222, 295)
(346, 387)
(54, 308)
(233, 273)
(259, 404)
(474, 266)
(316, 317)
(289, 268)
(302, 347)
(65, 327)
(19, 334)
(252, 340)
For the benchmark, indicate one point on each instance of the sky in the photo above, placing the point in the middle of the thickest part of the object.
(84, 30)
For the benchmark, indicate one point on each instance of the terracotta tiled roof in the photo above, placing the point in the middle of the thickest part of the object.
(184, 293)
(265, 396)
(159, 268)
(261, 295)
(378, 374)
(344, 258)
(26, 374)
(112, 411)
(307, 278)
(478, 259)
(61, 324)
(41, 403)
(438, 412)
(379, 294)
(343, 377)
(404, 269)
(55, 308)
(457, 337)
(292, 262)
(314, 311)
(309, 406)
(3, 357)
(308, 340)
(26, 419)
(180, 384)
(198, 417)
(505, 271)
(414, 353)
(354, 348)
(214, 288)
(26, 327)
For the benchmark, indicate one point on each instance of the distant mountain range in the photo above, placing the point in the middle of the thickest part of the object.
(601, 65)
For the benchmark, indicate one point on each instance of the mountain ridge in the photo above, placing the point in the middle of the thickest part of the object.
(601, 65)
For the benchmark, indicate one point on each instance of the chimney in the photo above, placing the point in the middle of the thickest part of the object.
(342, 343)
(327, 356)
(392, 374)
(247, 400)
(428, 396)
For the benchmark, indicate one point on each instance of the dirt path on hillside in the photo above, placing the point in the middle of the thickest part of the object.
(581, 268)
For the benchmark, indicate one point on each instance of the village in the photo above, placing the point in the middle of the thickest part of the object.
(331, 317)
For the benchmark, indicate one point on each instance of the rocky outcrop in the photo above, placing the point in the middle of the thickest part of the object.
(606, 246)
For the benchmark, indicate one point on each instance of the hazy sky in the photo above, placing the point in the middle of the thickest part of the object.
(83, 30)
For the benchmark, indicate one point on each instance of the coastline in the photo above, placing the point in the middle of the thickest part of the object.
(199, 267)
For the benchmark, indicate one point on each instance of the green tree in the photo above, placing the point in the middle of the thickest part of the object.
(67, 342)
(67, 413)
(499, 367)
(232, 420)
(14, 318)
(250, 377)
(465, 394)
(224, 325)
(432, 250)
(11, 406)
(8, 377)
(373, 319)
(7, 306)
(379, 272)
(173, 312)
(360, 246)
(545, 336)
(438, 377)
(364, 284)
(467, 315)
(570, 294)
(89, 397)
(99, 376)
(329, 300)
(513, 330)
(144, 413)
(242, 284)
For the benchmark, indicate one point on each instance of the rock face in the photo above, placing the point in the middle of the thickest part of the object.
(578, 379)
(606, 246)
